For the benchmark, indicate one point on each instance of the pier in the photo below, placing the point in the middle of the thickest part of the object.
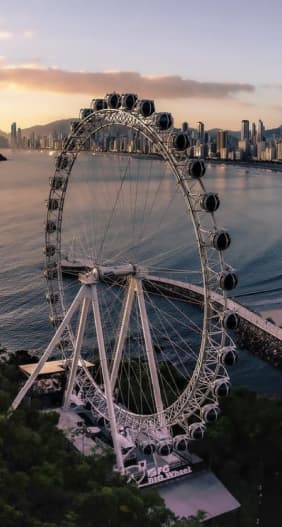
(258, 335)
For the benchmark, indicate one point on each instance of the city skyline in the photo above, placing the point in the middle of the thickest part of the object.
(253, 142)
(207, 62)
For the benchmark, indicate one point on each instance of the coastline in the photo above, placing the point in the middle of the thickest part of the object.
(274, 166)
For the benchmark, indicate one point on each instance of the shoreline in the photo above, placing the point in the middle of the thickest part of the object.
(275, 166)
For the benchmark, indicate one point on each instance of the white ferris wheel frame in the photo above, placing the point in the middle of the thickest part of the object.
(214, 336)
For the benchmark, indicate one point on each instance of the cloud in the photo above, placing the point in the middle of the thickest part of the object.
(28, 34)
(33, 65)
(5, 35)
(272, 86)
(277, 108)
(165, 87)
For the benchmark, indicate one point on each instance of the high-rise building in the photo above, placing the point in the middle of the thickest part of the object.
(260, 134)
(185, 127)
(279, 151)
(32, 140)
(201, 132)
(221, 140)
(245, 130)
(13, 135)
(254, 134)
(244, 147)
(19, 138)
(261, 145)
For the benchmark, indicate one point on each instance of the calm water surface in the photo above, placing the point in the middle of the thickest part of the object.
(250, 210)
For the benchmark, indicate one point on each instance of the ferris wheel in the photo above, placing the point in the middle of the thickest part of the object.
(128, 208)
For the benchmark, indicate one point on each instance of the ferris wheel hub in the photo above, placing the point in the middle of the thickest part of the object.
(100, 272)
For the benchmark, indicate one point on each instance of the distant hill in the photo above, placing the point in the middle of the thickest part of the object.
(4, 142)
(277, 132)
(62, 125)
(233, 133)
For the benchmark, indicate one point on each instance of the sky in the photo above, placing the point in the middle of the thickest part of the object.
(213, 61)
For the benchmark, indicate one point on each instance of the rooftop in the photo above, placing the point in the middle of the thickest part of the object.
(51, 366)
(199, 491)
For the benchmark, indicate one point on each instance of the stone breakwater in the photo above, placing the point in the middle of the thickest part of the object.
(259, 342)
(259, 336)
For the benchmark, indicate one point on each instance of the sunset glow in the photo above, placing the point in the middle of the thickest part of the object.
(195, 60)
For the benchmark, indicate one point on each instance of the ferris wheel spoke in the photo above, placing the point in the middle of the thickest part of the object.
(159, 225)
(109, 223)
(162, 256)
(165, 328)
(146, 199)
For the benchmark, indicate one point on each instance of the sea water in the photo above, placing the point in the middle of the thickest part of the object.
(250, 209)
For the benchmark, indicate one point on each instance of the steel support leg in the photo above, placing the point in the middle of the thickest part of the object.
(55, 340)
(149, 349)
(106, 378)
(122, 333)
(77, 349)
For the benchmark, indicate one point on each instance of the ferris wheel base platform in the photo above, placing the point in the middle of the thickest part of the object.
(200, 491)
(185, 494)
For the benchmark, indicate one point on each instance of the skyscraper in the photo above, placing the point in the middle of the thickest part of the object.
(19, 138)
(13, 135)
(245, 130)
(260, 135)
(221, 140)
(254, 134)
(201, 132)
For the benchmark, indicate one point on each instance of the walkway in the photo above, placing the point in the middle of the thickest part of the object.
(254, 318)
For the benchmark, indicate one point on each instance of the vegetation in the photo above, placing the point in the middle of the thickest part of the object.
(244, 449)
(44, 482)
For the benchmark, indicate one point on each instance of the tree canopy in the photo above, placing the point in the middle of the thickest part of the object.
(45, 482)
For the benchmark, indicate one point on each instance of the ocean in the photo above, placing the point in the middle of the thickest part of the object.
(250, 210)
